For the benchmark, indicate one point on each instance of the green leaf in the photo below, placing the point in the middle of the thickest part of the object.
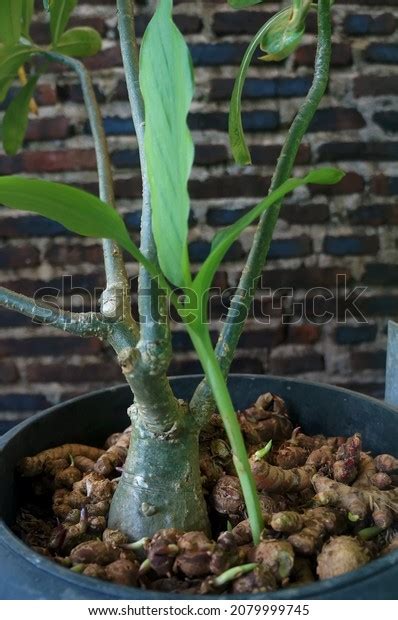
(11, 58)
(240, 4)
(236, 134)
(79, 42)
(75, 209)
(27, 14)
(224, 239)
(15, 121)
(10, 21)
(60, 12)
(166, 81)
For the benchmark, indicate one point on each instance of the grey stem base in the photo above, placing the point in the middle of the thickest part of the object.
(160, 486)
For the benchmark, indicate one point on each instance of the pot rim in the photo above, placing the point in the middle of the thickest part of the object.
(16, 546)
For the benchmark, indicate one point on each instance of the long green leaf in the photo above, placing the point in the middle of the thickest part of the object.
(236, 134)
(10, 21)
(224, 239)
(240, 4)
(75, 209)
(11, 58)
(60, 12)
(167, 86)
(79, 42)
(15, 121)
(27, 14)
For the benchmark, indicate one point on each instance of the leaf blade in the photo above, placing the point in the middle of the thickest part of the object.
(11, 58)
(79, 42)
(10, 21)
(223, 240)
(78, 211)
(15, 121)
(167, 86)
(60, 13)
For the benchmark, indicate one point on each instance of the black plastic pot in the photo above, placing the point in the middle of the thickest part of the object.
(316, 408)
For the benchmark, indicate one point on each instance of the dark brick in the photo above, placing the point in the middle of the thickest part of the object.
(29, 226)
(247, 365)
(8, 372)
(301, 362)
(380, 305)
(381, 274)
(361, 360)
(302, 277)
(16, 257)
(383, 53)
(211, 154)
(106, 59)
(10, 165)
(221, 89)
(229, 187)
(64, 372)
(267, 155)
(290, 248)
(127, 158)
(9, 318)
(385, 186)
(48, 345)
(374, 215)
(63, 254)
(54, 128)
(258, 120)
(369, 151)
(305, 213)
(360, 24)
(185, 367)
(303, 334)
(387, 121)
(341, 55)
(355, 334)
(351, 245)
(199, 250)
(218, 216)
(73, 92)
(40, 31)
(375, 85)
(239, 22)
(59, 161)
(219, 54)
(337, 119)
(265, 338)
(23, 402)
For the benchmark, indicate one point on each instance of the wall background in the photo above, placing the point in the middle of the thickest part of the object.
(351, 229)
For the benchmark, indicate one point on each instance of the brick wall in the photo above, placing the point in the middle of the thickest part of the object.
(349, 230)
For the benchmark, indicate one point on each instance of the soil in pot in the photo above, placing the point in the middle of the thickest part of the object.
(329, 508)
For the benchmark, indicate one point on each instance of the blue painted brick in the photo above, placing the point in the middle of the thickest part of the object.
(23, 402)
(351, 245)
(385, 53)
(126, 158)
(116, 126)
(361, 24)
(210, 55)
(290, 248)
(31, 226)
(348, 334)
(278, 87)
(199, 251)
(224, 217)
(133, 220)
(259, 120)
(387, 120)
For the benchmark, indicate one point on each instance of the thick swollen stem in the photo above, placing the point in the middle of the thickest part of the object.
(160, 486)
(201, 340)
(152, 306)
(201, 403)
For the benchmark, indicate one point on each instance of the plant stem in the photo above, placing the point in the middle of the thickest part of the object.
(115, 299)
(154, 326)
(80, 324)
(201, 402)
(204, 348)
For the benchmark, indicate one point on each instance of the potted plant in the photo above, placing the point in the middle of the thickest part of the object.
(155, 510)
